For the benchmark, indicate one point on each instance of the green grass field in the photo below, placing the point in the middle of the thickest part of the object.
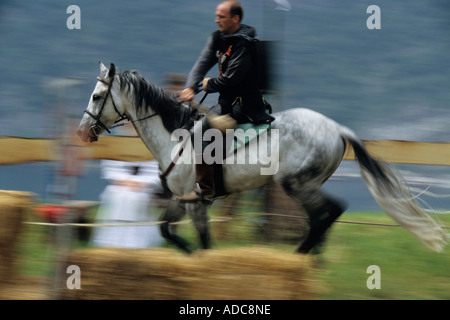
(408, 269)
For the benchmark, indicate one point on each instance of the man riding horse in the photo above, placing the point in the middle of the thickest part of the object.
(234, 47)
(312, 146)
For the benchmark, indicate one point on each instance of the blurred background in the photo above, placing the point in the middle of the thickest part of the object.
(392, 83)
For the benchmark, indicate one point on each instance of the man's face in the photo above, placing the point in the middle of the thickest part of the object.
(225, 22)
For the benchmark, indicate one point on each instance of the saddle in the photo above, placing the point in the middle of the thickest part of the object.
(243, 134)
(246, 132)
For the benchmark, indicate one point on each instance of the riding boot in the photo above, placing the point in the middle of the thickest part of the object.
(204, 189)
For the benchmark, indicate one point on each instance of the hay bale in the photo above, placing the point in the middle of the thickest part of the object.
(24, 288)
(14, 206)
(237, 274)
(250, 273)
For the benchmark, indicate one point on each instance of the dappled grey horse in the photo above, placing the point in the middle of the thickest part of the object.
(309, 147)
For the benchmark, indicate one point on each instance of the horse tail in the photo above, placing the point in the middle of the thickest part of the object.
(394, 197)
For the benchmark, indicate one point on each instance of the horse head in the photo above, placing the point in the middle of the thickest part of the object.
(104, 109)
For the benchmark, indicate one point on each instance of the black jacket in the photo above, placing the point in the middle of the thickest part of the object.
(237, 57)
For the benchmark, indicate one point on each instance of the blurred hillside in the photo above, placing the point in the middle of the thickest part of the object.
(392, 83)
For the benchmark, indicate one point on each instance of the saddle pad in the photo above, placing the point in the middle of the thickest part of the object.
(241, 138)
(246, 132)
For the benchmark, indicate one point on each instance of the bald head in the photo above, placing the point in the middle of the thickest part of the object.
(229, 14)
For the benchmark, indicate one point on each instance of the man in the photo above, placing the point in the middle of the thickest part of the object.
(234, 48)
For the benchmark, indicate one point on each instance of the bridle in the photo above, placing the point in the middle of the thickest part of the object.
(96, 129)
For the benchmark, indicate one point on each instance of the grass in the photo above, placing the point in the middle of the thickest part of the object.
(408, 269)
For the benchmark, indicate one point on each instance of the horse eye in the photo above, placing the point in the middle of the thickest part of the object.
(96, 97)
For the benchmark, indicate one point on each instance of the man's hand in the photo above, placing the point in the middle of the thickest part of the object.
(187, 94)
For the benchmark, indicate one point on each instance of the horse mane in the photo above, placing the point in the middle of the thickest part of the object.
(173, 113)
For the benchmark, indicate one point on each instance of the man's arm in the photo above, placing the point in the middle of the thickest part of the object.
(204, 63)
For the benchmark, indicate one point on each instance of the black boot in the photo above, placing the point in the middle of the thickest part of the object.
(204, 191)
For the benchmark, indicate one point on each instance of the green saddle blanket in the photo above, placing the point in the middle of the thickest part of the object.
(246, 132)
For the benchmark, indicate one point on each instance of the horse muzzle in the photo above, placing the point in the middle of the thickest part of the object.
(90, 134)
(94, 132)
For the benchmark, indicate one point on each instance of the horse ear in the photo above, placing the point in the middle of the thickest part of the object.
(103, 70)
(111, 71)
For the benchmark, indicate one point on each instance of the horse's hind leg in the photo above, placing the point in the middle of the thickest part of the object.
(173, 213)
(321, 216)
(322, 211)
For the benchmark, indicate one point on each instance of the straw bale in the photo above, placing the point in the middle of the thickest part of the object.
(14, 206)
(24, 288)
(237, 274)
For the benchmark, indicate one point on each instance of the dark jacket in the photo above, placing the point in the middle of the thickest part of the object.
(236, 55)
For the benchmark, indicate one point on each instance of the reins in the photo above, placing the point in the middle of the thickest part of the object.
(200, 107)
(117, 124)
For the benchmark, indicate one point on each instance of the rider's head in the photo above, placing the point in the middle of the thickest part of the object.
(229, 14)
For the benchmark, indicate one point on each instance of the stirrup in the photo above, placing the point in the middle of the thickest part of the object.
(198, 199)
(197, 191)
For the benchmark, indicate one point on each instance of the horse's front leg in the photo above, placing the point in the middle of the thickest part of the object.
(199, 215)
(174, 213)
